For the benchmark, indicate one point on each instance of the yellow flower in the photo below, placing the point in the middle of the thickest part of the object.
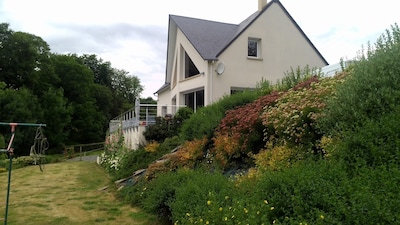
(201, 220)
(266, 202)
(272, 208)
(208, 202)
(220, 209)
(226, 218)
(322, 217)
(187, 214)
(207, 222)
(245, 210)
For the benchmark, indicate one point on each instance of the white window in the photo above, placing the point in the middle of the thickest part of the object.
(254, 48)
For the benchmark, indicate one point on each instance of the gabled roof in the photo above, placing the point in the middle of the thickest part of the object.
(211, 38)
(207, 37)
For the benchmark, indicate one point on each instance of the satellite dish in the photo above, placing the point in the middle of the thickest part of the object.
(220, 68)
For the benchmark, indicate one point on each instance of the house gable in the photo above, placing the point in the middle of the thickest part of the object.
(250, 20)
(278, 41)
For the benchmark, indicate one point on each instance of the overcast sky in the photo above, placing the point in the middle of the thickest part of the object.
(132, 35)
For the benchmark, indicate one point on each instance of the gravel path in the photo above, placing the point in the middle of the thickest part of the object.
(89, 158)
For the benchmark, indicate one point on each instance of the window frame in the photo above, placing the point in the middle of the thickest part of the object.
(257, 41)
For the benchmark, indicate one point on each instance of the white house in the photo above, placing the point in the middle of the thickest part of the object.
(207, 59)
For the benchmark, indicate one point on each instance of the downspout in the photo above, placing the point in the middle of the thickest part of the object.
(210, 72)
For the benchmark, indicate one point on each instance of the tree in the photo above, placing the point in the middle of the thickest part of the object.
(24, 56)
(127, 87)
(20, 106)
(102, 71)
(77, 82)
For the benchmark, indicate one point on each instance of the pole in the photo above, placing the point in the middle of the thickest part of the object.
(10, 151)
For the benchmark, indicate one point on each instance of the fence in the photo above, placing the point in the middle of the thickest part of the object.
(83, 149)
(141, 115)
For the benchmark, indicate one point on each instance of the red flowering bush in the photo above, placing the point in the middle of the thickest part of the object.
(240, 131)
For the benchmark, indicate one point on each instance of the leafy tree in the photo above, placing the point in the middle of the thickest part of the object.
(57, 116)
(77, 82)
(102, 71)
(126, 87)
(20, 106)
(23, 57)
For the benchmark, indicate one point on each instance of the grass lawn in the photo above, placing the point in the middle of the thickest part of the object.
(65, 193)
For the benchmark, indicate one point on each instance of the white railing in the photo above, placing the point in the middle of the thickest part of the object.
(141, 115)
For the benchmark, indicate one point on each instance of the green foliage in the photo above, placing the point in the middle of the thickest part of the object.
(192, 196)
(240, 132)
(122, 163)
(166, 127)
(372, 90)
(182, 192)
(75, 96)
(160, 193)
(296, 76)
(295, 114)
(2, 142)
(375, 143)
(206, 119)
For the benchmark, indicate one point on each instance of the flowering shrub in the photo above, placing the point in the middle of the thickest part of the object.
(114, 152)
(240, 131)
(276, 158)
(186, 156)
(294, 115)
(152, 146)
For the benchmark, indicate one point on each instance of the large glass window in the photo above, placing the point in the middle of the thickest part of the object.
(195, 99)
(190, 68)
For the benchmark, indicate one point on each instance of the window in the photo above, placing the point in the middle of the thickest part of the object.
(253, 48)
(194, 99)
(190, 68)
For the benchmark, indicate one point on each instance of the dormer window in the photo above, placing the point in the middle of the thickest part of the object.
(253, 48)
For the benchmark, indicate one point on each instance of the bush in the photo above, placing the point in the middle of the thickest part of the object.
(295, 114)
(372, 90)
(130, 161)
(241, 132)
(206, 119)
(166, 127)
(375, 143)
(158, 194)
(201, 193)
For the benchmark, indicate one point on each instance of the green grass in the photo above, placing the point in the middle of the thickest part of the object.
(67, 193)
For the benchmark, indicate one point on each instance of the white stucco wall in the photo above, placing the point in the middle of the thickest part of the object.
(282, 47)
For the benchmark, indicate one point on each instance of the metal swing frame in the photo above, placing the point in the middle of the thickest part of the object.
(10, 152)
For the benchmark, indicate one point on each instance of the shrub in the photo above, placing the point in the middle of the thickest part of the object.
(206, 119)
(130, 161)
(374, 143)
(277, 158)
(296, 76)
(201, 193)
(240, 131)
(372, 90)
(160, 130)
(312, 193)
(189, 154)
(159, 194)
(296, 112)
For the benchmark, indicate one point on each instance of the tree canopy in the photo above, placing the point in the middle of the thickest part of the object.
(75, 96)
